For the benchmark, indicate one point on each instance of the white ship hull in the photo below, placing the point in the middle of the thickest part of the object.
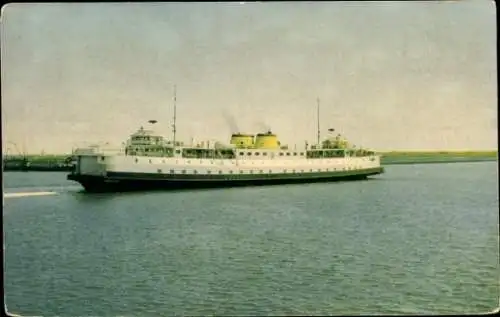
(101, 172)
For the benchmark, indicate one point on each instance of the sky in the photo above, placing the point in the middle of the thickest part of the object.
(388, 75)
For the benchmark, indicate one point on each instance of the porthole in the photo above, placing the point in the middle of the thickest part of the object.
(209, 172)
(294, 153)
(249, 153)
(281, 153)
(288, 154)
(183, 171)
(257, 153)
(230, 172)
(265, 153)
(172, 172)
(159, 170)
(301, 153)
(195, 172)
(220, 172)
(241, 153)
(241, 172)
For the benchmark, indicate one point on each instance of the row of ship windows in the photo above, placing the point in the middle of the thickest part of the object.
(241, 153)
(188, 162)
(261, 171)
(280, 154)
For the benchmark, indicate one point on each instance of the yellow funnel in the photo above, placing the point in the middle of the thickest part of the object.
(266, 141)
(242, 140)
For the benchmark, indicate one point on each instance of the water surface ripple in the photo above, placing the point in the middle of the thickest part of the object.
(419, 239)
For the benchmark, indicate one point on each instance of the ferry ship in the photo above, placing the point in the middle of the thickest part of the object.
(149, 161)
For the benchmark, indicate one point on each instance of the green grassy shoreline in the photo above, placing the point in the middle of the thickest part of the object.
(421, 157)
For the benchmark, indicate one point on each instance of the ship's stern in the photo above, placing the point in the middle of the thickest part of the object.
(89, 170)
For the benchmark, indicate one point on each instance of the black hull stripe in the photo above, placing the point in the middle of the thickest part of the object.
(239, 177)
(140, 181)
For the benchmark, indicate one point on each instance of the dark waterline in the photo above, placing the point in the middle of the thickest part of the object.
(418, 239)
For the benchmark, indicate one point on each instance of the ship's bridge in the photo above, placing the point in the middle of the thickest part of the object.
(145, 137)
(335, 143)
(148, 143)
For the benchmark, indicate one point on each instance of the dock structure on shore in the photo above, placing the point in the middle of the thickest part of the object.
(37, 163)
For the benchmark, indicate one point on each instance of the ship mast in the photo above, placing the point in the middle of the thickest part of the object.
(317, 101)
(175, 113)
